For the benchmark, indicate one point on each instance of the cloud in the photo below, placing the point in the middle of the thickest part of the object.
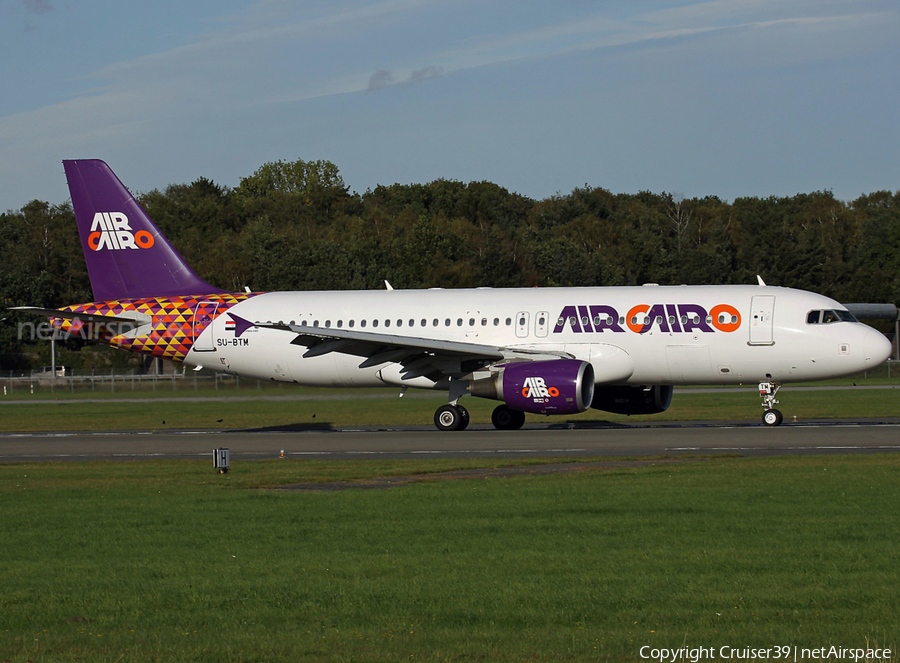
(37, 6)
(381, 79)
(424, 74)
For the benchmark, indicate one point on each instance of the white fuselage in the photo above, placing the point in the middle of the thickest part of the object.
(695, 335)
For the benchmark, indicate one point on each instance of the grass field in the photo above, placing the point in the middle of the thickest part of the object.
(380, 407)
(166, 561)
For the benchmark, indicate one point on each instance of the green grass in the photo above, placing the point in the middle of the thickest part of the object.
(383, 408)
(165, 561)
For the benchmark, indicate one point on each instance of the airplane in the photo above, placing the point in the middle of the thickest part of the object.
(552, 351)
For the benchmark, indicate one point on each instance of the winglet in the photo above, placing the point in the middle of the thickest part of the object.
(759, 280)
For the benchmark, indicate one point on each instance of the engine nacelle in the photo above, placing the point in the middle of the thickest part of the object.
(633, 400)
(559, 386)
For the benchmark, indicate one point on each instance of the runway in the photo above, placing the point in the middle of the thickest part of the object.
(551, 441)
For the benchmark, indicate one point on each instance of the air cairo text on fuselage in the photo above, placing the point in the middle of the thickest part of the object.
(640, 319)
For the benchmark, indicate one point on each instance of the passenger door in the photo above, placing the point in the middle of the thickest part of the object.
(762, 319)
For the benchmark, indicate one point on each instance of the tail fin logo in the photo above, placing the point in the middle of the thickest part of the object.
(112, 230)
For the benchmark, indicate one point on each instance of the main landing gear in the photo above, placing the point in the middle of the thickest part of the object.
(767, 391)
(505, 418)
(455, 417)
(451, 417)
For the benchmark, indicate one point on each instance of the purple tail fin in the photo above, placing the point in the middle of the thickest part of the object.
(127, 256)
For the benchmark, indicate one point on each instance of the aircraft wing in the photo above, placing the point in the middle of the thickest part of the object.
(133, 317)
(428, 357)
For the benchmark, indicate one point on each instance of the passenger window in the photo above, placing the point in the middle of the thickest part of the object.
(484, 322)
(352, 323)
(303, 323)
(508, 322)
(362, 323)
(399, 323)
(447, 322)
(340, 323)
(327, 324)
(374, 323)
(387, 323)
(459, 322)
(471, 322)
(496, 322)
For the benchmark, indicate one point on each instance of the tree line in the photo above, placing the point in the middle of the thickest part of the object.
(297, 226)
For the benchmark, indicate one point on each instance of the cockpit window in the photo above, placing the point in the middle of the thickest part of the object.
(828, 316)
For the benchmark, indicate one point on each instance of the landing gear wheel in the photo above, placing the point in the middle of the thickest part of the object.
(465, 417)
(772, 417)
(505, 418)
(450, 417)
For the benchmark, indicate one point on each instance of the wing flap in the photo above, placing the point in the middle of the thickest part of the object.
(418, 356)
(375, 343)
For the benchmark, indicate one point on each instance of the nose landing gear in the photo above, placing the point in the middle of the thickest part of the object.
(767, 391)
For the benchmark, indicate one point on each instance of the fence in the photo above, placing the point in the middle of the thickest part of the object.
(95, 381)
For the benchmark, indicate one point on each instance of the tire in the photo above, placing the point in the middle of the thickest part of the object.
(772, 417)
(448, 417)
(505, 418)
(465, 417)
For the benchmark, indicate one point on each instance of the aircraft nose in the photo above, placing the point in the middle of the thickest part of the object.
(876, 348)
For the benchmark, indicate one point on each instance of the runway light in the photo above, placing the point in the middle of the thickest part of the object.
(221, 460)
(282, 453)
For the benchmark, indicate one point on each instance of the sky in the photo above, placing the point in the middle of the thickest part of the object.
(707, 97)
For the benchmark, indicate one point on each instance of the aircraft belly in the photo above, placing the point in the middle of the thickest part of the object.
(270, 357)
(689, 363)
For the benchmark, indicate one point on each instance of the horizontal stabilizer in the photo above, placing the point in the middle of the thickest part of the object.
(133, 317)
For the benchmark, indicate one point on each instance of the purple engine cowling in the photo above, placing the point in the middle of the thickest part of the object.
(559, 386)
